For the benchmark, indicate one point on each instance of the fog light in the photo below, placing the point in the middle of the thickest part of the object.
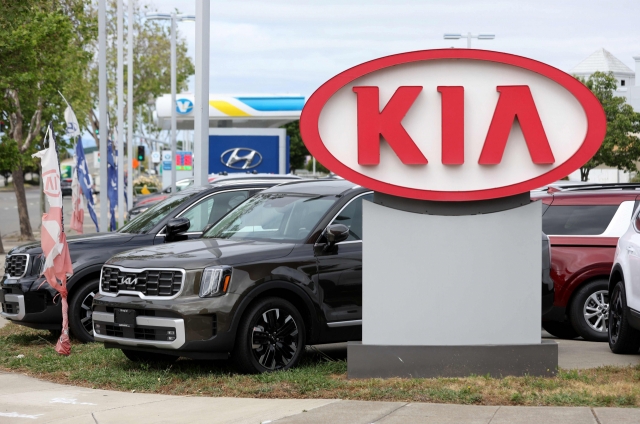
(171, 338)
(97, 325)
(171, 333)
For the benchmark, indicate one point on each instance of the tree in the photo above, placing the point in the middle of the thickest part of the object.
(45, 48)
(621, 146)
(151, 67)
(297, 150)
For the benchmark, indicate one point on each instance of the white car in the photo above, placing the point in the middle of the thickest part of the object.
(624, 289)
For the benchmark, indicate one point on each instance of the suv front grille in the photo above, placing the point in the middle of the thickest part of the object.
(16, 265)
(149, 282)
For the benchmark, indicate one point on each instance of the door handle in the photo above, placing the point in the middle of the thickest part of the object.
(630, 249)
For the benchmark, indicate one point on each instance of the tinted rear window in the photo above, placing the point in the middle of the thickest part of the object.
(577, 220)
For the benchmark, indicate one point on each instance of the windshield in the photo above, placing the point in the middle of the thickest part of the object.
(150, 218)
(273, 217)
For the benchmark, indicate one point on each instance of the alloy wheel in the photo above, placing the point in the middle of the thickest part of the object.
(616, 316)
(596, 311)
(274, 339)
(86, 313)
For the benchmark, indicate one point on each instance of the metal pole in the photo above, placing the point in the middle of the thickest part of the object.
(102, 110)
(130, 123)
(120, 111)
(201, 104)
(173, 103)
(468, 40)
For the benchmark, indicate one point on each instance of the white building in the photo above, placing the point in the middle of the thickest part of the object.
(628, 87)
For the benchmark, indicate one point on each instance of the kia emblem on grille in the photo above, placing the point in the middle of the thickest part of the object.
(129, 282)
(241, 158)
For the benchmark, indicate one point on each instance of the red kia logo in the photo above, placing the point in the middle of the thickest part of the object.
(454, 124)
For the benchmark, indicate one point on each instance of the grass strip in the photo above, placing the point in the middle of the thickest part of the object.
(31, 352)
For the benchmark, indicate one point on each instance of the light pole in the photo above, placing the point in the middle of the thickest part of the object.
(469, 36)
(173, 18)
(120, 112)
(102, 110)
(201, 103)
(130, 19)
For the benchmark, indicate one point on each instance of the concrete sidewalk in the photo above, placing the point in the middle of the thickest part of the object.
(24, 399)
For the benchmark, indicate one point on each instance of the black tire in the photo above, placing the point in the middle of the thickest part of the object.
(271, 337)
(150, 357)
(561, 330)
(80, 322)
(623, 338)
(591, 298)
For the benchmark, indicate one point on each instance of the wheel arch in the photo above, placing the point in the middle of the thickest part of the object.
(287, 291)
(586, 281)
(616, 276)
(79, 277)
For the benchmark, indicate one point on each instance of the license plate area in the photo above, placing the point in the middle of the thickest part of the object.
(125, 317)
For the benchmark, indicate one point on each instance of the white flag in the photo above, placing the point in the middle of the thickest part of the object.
(73, 129)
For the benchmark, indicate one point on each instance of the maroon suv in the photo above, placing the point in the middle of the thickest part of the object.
(583, 224)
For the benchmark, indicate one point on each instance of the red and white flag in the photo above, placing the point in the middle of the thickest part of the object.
(77, 202)
(57, 266)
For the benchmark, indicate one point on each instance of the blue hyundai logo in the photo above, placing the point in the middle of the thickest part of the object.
(184, 106)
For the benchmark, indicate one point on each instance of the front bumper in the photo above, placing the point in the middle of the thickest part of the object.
(31, 308)
(185, 326)
(105, 330)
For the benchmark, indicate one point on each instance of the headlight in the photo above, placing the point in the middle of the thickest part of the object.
(215, 281)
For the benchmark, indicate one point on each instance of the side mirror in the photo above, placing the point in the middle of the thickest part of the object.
(167, 190)
(336, 233)
(175, 228)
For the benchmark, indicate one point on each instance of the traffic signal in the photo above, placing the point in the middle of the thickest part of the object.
(141, 153)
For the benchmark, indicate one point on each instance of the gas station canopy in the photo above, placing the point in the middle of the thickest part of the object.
(233, 111)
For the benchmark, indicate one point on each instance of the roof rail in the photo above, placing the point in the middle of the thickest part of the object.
(589, 187)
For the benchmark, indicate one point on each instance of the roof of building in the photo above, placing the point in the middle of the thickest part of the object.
(603, 61)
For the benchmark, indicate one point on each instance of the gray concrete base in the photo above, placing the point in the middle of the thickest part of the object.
(375, 361)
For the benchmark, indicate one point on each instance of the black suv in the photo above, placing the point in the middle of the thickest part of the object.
(282, 270)
(27, 301)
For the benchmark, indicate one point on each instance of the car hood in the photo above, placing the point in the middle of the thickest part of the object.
(78, 243)
(198, 254)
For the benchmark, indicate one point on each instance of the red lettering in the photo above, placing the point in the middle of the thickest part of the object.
(452, 125)
(372, 124)
(516, 102)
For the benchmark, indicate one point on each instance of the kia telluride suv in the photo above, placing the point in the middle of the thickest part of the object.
(282, 270)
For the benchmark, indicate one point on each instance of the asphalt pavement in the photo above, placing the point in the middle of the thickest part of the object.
(10, 224)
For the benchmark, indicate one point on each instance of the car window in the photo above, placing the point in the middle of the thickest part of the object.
(147, 220)
(273, 217)
(577, 220)
(212, 208)
(351, 216)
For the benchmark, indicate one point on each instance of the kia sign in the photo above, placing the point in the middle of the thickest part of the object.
(453, 125)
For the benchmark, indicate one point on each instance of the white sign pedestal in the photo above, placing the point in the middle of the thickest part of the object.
(451, 295)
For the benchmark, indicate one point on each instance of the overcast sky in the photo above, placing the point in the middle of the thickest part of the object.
(283, 46)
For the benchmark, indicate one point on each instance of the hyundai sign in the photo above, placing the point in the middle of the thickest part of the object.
(453, 125)
(261, 150)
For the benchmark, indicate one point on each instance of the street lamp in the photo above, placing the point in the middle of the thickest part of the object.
(469, 36)
(173, 18)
